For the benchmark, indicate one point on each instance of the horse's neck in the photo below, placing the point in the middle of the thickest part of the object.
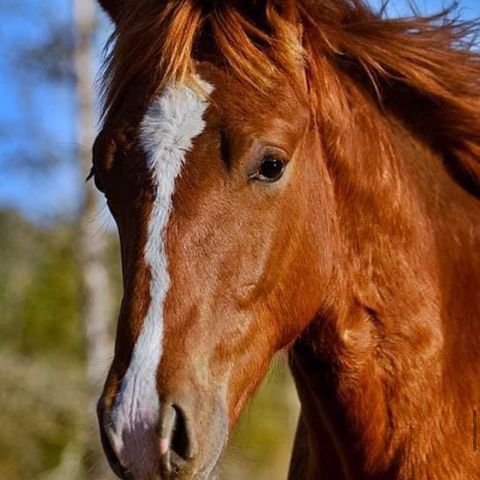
(393, 367)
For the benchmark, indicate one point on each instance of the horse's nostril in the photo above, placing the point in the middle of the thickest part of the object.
(180, 443)
(176, 447)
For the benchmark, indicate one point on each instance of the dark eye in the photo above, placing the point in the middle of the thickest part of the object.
(98, 183)
(271, 169)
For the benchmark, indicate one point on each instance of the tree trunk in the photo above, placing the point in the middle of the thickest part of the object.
(92, 245)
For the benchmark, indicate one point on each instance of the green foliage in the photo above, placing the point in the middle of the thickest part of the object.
(39, 288)
(17, 261)
(42, 405)
(41, 400)
(50, 312)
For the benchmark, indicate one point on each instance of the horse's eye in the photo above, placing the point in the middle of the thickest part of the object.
(99, 184)
(271, 169)
(97, 181)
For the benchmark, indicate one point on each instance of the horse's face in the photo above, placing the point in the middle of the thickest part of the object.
(216, 196)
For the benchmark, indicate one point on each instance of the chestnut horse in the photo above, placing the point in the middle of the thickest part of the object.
(301, 176)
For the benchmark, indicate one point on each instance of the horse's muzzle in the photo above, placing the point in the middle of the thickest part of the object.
(182, 445)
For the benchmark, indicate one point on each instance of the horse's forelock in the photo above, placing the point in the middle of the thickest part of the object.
(261, 41)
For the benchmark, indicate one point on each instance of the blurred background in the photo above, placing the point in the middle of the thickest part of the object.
(59, 266)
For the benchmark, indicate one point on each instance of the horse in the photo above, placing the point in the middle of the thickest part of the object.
(297, 176)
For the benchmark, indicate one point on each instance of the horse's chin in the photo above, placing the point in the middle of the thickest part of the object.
(210, 470)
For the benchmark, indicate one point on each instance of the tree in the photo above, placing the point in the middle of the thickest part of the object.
(92, 248)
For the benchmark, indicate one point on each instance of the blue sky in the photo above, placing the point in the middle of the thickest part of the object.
(38, 116)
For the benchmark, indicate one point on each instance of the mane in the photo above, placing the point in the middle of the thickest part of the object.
(424, 69)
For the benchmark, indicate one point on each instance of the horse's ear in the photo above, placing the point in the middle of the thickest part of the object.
(112, 7)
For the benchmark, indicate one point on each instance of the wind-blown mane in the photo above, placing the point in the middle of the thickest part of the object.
(423, 69)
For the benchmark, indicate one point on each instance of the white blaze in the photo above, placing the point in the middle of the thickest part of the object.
(170, 124)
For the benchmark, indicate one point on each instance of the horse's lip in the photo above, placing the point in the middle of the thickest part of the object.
(170, 464)
(112, 458)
